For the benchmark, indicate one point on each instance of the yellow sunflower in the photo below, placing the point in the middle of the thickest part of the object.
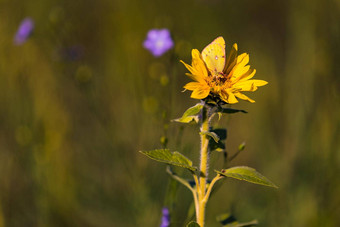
(219, 76)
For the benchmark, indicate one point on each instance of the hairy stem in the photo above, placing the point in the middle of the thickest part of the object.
(211, 185)
(204, 164)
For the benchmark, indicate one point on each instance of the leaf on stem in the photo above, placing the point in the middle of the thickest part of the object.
(212, 134)
(190, 114)
(221, 132)
(172, 158)
(230, 111)
(247, 174)
(220, 145)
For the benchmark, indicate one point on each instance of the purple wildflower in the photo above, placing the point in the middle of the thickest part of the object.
(165, 217)
(24, 31)
(158, 41)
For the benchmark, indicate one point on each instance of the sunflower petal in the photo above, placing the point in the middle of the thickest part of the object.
(200, 93)
(231, 98)
(197, 78)
(239, 70)
(232, 59)
(192, 86)
(192, 70)
(244, 97)
(228, 97)
(248, 75)
(249, 85)
(198, 64)
(195, 74)
(243, 59)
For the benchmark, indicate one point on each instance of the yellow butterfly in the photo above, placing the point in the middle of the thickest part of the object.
(214, 56)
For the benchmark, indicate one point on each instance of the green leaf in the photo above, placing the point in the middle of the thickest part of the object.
(231, 111)
(211, 134)
(190, 114)
(193, 224)
(172, 158)
(220, 145)
(221, 133)
(247, 174)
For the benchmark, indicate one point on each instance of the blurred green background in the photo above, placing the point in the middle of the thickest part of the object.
(82, 96)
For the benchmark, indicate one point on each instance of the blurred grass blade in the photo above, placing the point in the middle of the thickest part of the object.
(191, 213)
(247, 174)
(248, 224)
(172, 158)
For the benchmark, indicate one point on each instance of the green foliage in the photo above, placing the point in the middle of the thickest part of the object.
(230, 110)
(220, 111)
(172, 158)
(212, 135)
(219, 145)
(193, 224)
(247, 174)
(191, 114)
(213, 146)
(220, 132)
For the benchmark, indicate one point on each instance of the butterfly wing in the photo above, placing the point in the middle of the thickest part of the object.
(214, 56)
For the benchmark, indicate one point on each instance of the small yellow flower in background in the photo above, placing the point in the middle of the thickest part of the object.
(221, 77)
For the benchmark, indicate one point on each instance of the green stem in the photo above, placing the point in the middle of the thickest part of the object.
(201, 188)
(211, 185)
(186, 184)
